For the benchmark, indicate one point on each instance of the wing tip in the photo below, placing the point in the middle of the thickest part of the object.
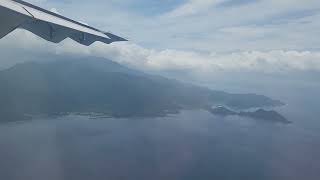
(115, 38)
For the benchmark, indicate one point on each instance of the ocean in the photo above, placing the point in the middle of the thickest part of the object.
(193, 144)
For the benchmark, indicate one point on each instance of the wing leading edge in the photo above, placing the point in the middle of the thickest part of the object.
(48, 25)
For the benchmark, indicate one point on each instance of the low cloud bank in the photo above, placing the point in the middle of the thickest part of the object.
(127, 53)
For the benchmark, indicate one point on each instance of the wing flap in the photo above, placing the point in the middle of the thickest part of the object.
(9, 21)
(47, 31)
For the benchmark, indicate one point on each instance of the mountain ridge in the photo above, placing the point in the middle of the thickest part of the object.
(99, 85)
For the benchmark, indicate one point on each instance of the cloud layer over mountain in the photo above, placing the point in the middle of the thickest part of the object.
(273, 61)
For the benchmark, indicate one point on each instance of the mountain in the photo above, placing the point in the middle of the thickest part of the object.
(271, 116)
(266, 115)
(102, 86)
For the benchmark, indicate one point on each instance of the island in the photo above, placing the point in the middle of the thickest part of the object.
(262, 114)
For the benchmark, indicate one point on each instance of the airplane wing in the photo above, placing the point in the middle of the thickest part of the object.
(48, 25)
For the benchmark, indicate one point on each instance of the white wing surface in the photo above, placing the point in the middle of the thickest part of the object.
(48, 25)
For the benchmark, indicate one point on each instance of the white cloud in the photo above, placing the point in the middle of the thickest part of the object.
(203, 25)
(37, 1)
(274, 61)
(192, 7)
(248, 31)
(54, 10)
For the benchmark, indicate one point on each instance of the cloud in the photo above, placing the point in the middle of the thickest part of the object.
(234, 3)
(130, 54)
(192, 7)
(37, 1)
(248, 31)
(54, 10)
(203, 25)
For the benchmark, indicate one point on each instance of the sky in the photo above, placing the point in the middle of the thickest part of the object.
(202, 36)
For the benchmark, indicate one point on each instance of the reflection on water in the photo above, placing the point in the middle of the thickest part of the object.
(191, 145)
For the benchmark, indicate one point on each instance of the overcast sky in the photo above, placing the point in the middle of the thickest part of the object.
(270, 36)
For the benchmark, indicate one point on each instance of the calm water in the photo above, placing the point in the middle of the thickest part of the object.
(191, 145)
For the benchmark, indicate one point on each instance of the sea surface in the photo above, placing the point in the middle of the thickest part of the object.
(192, 145)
